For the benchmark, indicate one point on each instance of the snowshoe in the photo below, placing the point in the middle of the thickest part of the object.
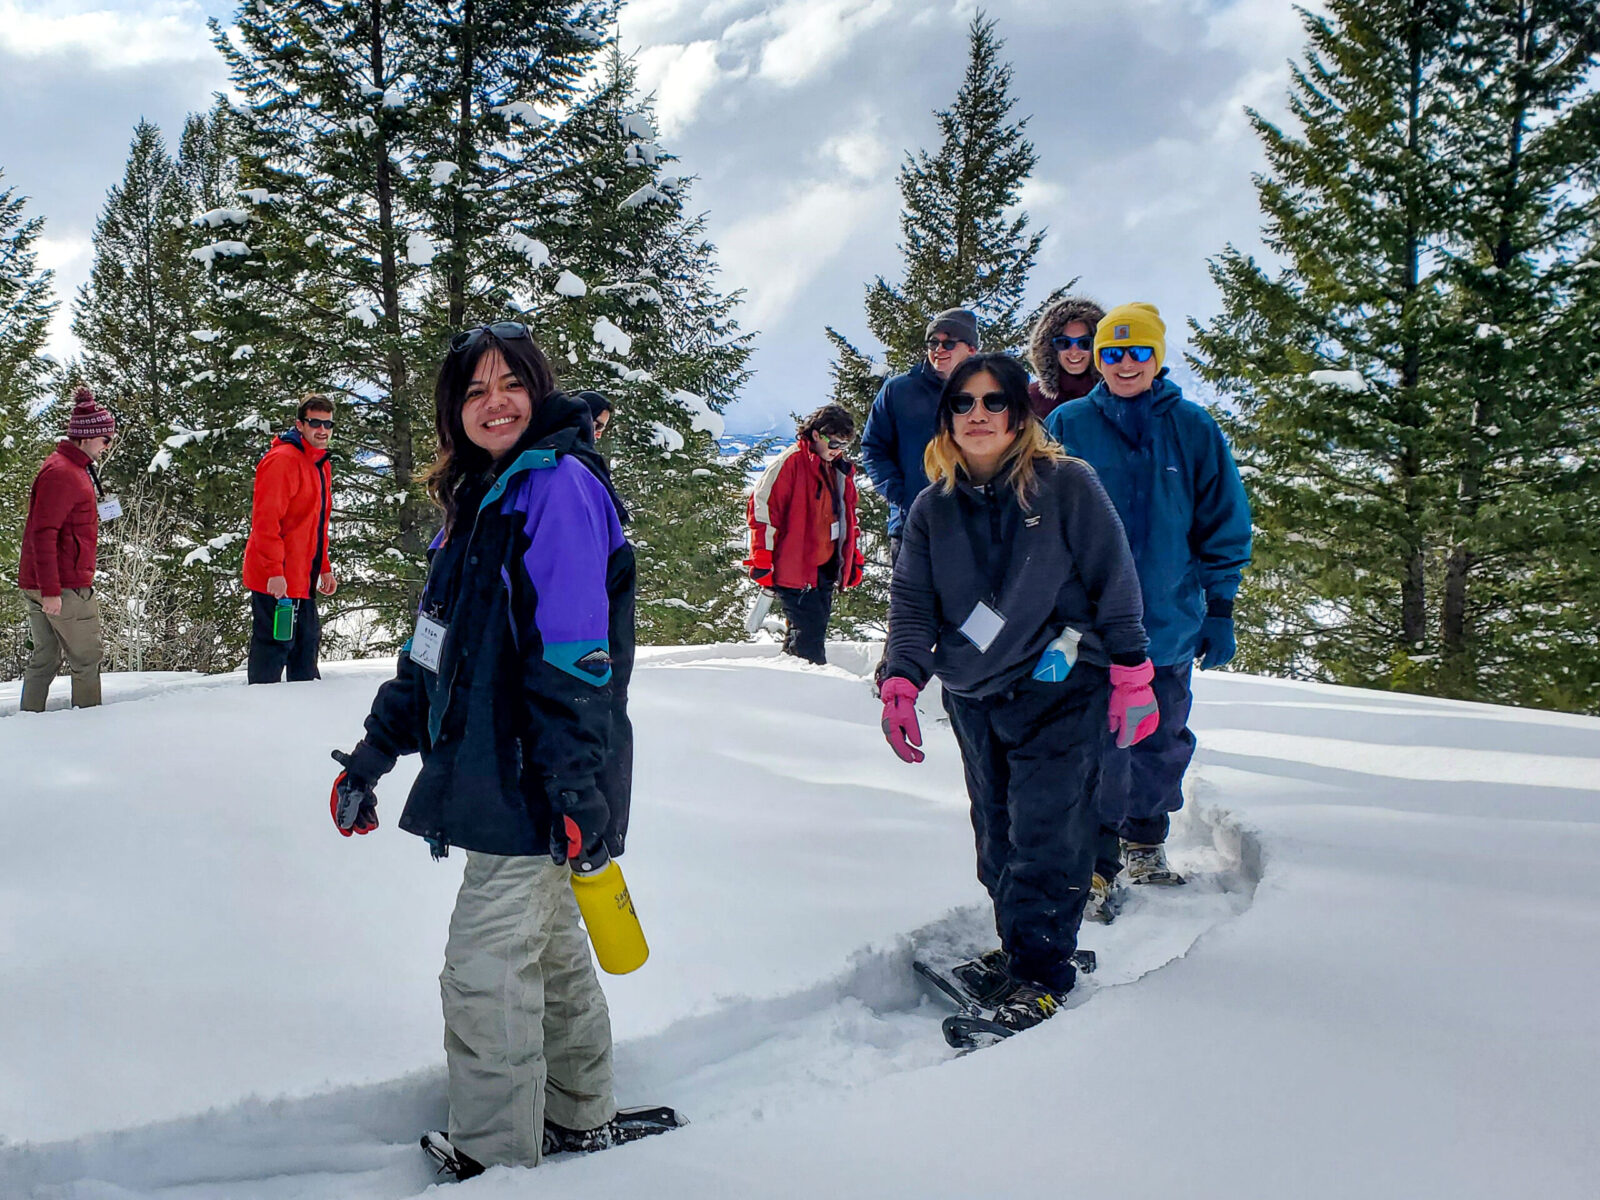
(1105, 901)
(968, 1031)
(1147, 865)
(987, 978)
(629, 1125)
(456, 1163)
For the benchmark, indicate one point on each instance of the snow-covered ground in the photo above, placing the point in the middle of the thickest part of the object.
(1383, 982)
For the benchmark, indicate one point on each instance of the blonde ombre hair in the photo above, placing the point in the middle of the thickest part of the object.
(1019, 465)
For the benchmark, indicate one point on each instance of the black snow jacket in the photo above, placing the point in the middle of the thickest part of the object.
(1064, 561)
(536, 590)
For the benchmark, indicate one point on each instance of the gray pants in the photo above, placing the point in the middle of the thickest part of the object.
(73, 637)
(526, 1029)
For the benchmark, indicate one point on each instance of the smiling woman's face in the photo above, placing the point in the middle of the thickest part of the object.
(497, 410)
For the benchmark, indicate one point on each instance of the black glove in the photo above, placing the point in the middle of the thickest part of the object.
(353, 803)
(578, 829)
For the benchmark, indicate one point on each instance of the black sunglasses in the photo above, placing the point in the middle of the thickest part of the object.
(943, 343)
(964, 402)
(318, 422)
(1062, 342)
(838, 443)
(506, 331)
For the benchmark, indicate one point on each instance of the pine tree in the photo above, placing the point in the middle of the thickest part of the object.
(131, 315)
(1524, 431)
(389, 148)
(26, 306)
(1344, 466)
(962, 245)
(629, 306)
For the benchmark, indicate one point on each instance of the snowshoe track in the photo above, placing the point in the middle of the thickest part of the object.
(745, 1059)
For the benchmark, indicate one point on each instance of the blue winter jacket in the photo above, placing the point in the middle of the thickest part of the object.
(899, 428)
(1172, 478)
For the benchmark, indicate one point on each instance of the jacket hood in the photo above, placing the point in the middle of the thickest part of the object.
(561, 424)
(292, 439)
(1046, 366)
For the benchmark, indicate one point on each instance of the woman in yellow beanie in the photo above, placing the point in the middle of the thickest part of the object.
(1172, 478)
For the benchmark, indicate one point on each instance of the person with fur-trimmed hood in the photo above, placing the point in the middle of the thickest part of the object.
(1062, 353)
(803, 530)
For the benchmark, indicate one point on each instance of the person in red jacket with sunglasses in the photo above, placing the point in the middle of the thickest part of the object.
(803, 531)
(288, 548)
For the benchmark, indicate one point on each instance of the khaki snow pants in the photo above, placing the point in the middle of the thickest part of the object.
(526, 1029)
(75, 637)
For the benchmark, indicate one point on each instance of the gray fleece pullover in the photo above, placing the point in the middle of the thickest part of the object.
(1065, 561)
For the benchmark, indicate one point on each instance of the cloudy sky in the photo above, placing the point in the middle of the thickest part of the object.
(794, 115)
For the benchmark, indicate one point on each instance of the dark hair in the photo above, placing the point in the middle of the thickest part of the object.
(830, 421)
(1008, 372)
(596, 402)
(458, 458)
(313, 402)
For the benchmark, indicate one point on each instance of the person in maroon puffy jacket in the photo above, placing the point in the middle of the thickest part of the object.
(803, 530)
(59, 543)
(287, 554)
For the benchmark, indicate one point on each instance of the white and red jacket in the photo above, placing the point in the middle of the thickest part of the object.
(802, 513)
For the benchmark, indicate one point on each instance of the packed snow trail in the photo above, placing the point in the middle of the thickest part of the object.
(181, 933)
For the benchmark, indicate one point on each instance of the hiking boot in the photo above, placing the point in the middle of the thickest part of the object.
(629, 1125)
(1105, 900)
(1148, 865)
(1026, 1006)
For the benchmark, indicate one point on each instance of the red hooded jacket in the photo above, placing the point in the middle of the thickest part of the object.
(289, 517)
(63, 527)
(792, 514)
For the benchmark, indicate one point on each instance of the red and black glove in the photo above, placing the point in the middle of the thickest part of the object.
(578, 819)
(762, 576)
(353, 803)
(854, 572)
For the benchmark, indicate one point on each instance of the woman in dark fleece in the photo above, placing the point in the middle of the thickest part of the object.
(1062, 351)
(1015, 586)
(513, 690)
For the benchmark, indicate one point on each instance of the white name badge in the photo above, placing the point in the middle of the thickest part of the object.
(110, 508)
(427, 644)
(833, 532)
(983, 626)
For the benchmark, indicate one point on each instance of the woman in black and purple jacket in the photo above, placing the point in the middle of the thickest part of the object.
(513, 689)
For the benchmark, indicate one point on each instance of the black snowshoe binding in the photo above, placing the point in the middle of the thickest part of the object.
(629, 1125)
(992, 1003)
(452, 1162)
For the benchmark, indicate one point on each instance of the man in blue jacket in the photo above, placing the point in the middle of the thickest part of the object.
(1172, 478)
(900, 425)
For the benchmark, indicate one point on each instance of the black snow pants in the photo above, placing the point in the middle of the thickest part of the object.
(1032, 758)
(806, 610)
(268, 656)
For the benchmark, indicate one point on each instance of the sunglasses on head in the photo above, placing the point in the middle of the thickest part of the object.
(1062, 342)
(1112, 355)
(318, 422)
(504, 330)
(943, 343)
(964, 402)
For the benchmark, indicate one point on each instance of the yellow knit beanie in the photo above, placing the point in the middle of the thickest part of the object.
(1136, 324)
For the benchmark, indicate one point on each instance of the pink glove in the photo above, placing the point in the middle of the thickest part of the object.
(1134, 715)
(900, 726)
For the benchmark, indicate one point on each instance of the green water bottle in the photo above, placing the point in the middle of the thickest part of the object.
(283, 620)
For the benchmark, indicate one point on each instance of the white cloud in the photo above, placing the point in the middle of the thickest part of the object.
(161, 32)
(859, 152)
(778, 252)
(681, 76)
(809, 35)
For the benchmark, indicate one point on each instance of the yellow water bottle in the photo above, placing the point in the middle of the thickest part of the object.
(608, 914)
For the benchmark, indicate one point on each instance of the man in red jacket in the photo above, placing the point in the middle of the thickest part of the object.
(288, 547)
(803, 529)
(59, 542)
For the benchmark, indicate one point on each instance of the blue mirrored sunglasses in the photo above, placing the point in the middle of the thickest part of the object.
(1062, 342)
(1112, 355)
